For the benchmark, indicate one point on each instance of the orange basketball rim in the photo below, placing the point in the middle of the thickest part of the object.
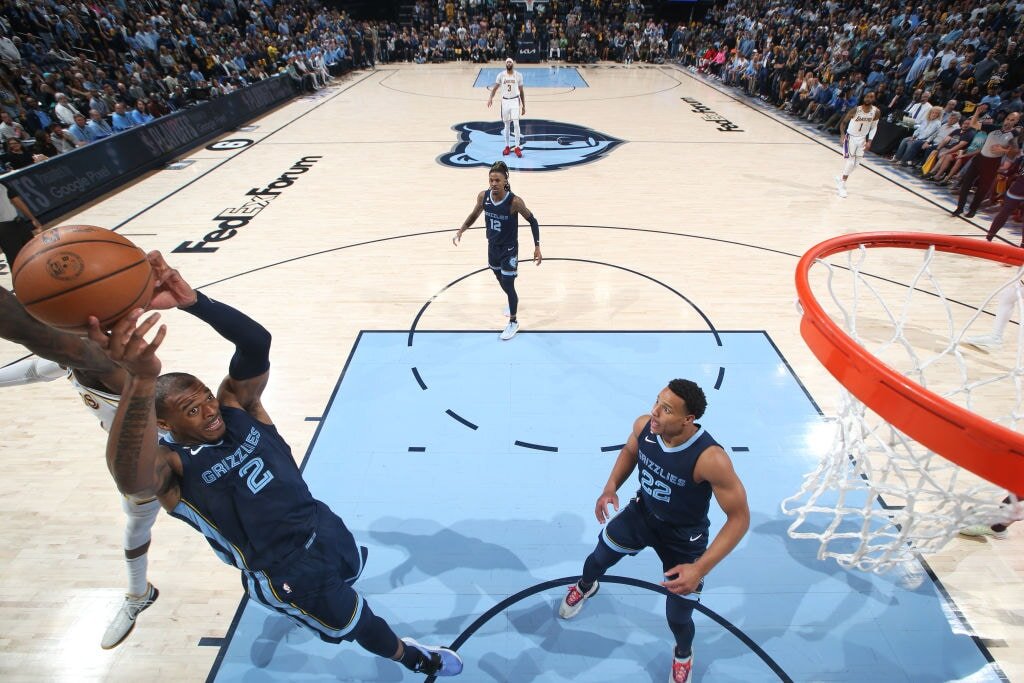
(981, 446)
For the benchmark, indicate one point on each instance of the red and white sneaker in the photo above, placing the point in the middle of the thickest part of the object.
(681, 669)
(519, 152)
(573, 601)
(505, 152)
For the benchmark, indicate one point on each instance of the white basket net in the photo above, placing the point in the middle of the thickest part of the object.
(878, 497)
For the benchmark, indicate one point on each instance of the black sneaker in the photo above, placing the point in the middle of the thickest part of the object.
(440, 661)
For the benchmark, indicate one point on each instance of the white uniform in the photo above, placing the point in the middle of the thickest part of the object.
(508, 88)
(100, 403)
(860, 127)
(140, 517)
(140, 514)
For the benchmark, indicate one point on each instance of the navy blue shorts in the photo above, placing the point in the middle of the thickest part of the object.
(503, 258)
(635, 528)
(315, 589)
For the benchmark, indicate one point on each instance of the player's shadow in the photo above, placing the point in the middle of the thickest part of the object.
(283, 650)
(468, 564)
(779, 613)
(610, 635)
(622, 634)
(900, 600)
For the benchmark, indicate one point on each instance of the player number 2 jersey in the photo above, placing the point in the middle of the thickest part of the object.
(246, 494)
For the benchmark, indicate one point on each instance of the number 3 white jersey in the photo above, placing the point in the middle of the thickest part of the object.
(509, 84)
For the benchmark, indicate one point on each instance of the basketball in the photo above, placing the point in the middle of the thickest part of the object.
(66, 274)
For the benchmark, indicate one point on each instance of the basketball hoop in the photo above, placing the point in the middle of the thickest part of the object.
(911, 427)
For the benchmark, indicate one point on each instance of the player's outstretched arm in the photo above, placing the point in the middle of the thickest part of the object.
(714, 467)
(473, 215)
(624, 465)
(140, 467)
(71, 351)
(249, 368)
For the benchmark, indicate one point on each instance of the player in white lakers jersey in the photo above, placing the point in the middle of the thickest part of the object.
(858, 126)
(95, 378)
(513, 104)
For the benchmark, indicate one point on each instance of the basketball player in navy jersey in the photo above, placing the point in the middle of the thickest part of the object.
(858, 126)
(98, 381)
(681, 466)
(501, 210)
(223, 468)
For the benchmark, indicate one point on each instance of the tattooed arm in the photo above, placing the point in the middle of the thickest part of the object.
(141, 467)
(18, 326)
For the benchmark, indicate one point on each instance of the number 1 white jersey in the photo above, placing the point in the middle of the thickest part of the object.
(861, 122)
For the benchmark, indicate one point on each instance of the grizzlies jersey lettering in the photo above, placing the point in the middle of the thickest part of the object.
(502, 224)
(860, 124)
(667, 488)
(246, 494)
(100, 403)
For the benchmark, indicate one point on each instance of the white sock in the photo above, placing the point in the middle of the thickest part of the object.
(137, 567)
(507, 125)
(139, 520)
(29, 371)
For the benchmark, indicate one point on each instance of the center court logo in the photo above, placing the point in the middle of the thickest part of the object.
(546, 145)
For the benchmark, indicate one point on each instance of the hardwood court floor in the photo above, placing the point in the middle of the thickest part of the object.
(361, 240)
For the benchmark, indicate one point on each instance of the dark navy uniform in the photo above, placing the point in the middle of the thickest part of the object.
(670, 511)
(247, 496)
(502, 234)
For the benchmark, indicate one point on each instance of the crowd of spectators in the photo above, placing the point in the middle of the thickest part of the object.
(73, 73)
(576, 31)
(947, 73)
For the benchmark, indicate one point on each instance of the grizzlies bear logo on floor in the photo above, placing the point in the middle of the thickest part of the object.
(546, 145)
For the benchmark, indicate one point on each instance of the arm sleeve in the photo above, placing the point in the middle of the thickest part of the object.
(251, 340)
(535, 229)
(872, 130)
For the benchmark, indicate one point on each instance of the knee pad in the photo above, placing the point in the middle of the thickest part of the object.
(139, 522)
(604, 556)
(679, 610)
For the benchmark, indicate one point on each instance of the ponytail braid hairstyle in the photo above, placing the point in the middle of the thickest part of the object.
(502, 168)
